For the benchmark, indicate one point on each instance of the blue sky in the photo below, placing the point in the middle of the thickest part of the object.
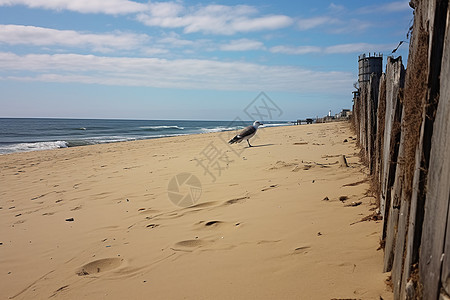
(188, 59)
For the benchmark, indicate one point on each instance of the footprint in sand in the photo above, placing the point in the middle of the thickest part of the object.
(190, 245)
(269, 187)
(152, 225)
(264, 242)
(301, 250)
(147, 211)
(215, 224)
(100, 266)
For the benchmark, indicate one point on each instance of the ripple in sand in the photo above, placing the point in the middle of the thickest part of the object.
(303, 250)
(202, 205)
(269, 187)
(99, 266)
(236, 200)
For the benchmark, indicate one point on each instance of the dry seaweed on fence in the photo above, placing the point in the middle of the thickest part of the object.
(415, 95)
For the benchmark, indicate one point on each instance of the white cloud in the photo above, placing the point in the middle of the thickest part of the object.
(333, 25)
(349, 26)
(336, 8)
(309, 23)
(175, 40)
(113, 7)
(261, 23)
(392, 7)
(335, 49)
(212, 19)
(180, 74)
(242, 45)
(295, 49)
(358, 48)
(39, 36)
(396, 6)
(150, 51)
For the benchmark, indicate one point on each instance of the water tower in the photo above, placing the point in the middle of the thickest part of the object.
(368, 64)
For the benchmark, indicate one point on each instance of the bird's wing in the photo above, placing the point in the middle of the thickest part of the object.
(247, 131)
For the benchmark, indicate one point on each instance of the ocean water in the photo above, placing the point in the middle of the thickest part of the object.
(21, 135)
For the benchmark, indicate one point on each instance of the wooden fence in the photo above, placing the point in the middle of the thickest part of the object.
(402, 121)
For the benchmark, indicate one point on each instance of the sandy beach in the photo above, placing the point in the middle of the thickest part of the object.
(280, 220)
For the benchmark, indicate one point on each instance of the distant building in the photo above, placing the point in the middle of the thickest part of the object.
(345, 113)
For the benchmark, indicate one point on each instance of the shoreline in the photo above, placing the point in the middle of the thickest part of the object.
(261, 229)
(45, 134)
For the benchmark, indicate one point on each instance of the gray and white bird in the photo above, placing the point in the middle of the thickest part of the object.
(246, 133)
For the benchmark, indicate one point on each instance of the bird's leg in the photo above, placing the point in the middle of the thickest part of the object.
(249, 144)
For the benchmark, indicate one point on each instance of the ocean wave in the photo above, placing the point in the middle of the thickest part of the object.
(276, 124)
(161, 127)
(90, 128)
(115, 139)
(98, 140)
(219, 129)
(27, 147)
(37, 146)
(161, 136)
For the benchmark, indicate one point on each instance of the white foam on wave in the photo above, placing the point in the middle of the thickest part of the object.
(276, 125)
(108, 139)
(219, 129)
(162, 127)
(162, 136)
(27, 147)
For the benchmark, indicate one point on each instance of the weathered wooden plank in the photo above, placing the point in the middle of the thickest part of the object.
(445, 275)
(395, 74)
(372, 106)
(415, 93)
(363, 116)
(436, 207)
(442, 129)
(381, 112)
(444, 107)
(397, 267)
(414, 222)
(438, 179)
(394, 210)
(356, 116)
(399, 258)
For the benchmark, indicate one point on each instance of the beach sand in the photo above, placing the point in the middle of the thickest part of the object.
(96, 222)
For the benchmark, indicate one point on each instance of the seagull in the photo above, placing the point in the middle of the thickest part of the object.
(246, 134)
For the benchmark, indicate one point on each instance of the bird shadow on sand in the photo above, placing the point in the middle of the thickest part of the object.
(264, 145)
